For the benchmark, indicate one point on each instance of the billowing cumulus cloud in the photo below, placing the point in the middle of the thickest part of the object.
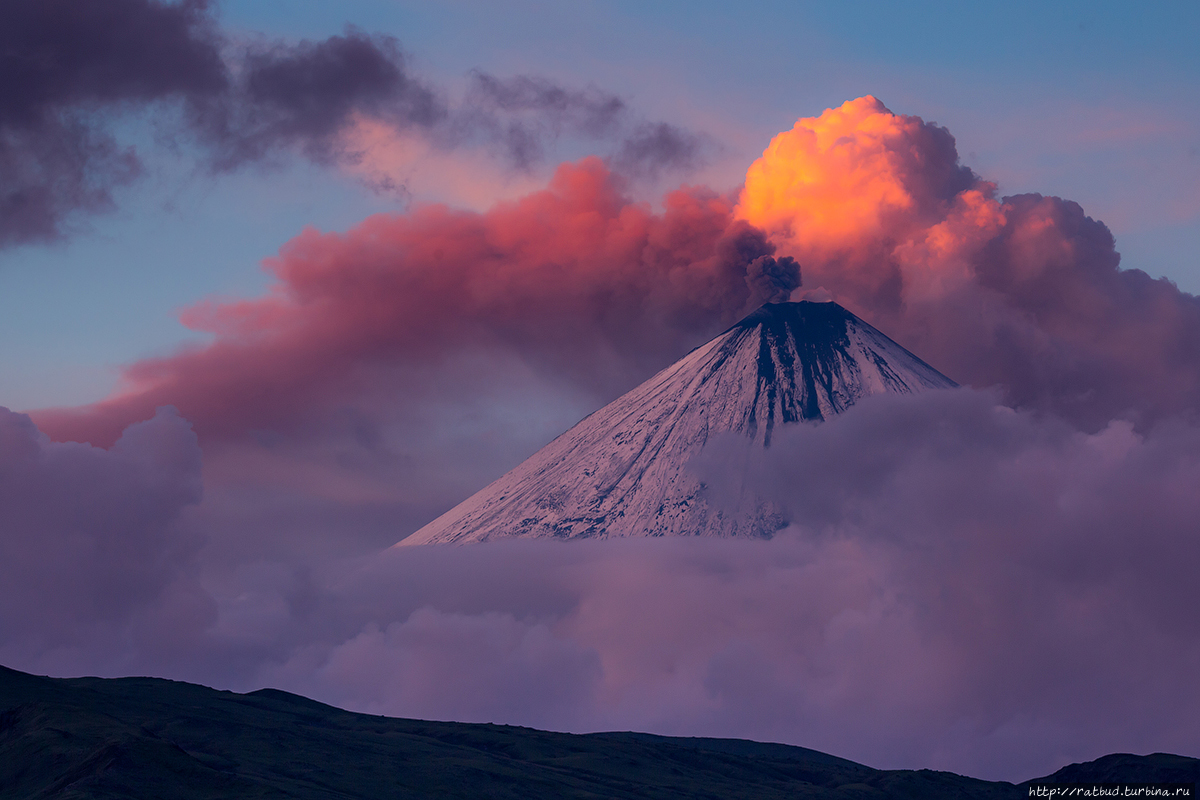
(1022, 292)
(91, 552)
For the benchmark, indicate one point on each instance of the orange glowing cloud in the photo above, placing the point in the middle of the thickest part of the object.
(870, 202)
(854, 170)
(1024, 292)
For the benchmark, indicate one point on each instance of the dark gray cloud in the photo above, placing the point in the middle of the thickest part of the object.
(50, 170)
(772, 280)
(62, 63)
(69, 67)
(303, 95)
(524, 116)
(590, 111)
(63, 53)
(652, 149)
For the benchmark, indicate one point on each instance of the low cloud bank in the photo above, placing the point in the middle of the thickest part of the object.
(94, 565)
(963, 587)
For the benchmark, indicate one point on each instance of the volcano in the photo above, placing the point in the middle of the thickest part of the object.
(625, 469)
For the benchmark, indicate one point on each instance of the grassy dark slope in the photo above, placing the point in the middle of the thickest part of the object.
(150, 738)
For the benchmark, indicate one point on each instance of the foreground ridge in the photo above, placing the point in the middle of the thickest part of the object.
(623, 471)
(144, 738)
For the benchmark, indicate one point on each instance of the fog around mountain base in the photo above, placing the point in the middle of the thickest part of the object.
(963, 587)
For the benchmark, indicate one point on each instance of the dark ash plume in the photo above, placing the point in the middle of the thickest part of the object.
(772, 280)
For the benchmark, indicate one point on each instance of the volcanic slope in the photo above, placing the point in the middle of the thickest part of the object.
(623, 471)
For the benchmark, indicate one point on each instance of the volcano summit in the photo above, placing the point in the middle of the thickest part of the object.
(624, 470)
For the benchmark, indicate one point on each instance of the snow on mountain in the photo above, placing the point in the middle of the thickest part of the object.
(623, 471)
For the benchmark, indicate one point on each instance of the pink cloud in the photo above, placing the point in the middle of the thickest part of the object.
(577, 278)
(1022, 292)
(597, 291)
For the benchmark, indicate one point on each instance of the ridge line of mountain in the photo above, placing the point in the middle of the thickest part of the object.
(82, 738)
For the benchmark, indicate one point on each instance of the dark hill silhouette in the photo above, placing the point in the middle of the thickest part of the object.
(134, 738)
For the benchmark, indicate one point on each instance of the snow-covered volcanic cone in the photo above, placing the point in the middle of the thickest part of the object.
(623, 471)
